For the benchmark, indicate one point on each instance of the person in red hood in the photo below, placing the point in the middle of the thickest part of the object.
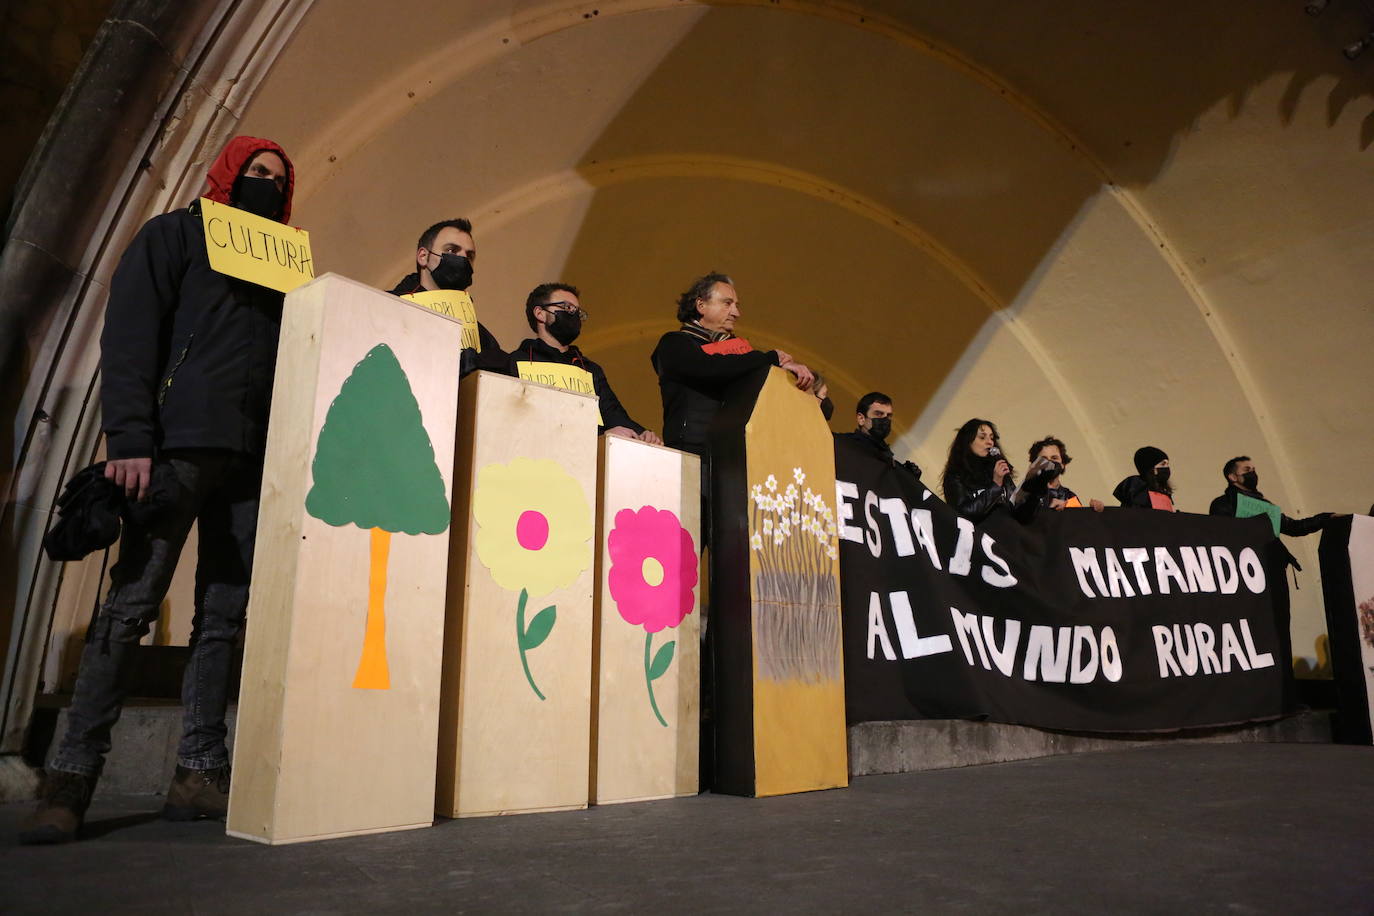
(186, 367)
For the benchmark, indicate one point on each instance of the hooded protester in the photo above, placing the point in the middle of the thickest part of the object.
(1149, 487)
(186, 369)
(446, 258)
(554, 312)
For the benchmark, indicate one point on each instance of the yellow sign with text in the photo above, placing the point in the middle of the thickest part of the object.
(455, 304)
(261, 251)
(569, 378)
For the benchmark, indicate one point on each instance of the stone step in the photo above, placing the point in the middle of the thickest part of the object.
(935, 744)
(144, 753)
(145, 742)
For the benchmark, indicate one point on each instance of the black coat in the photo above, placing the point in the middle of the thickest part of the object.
(880, 450)
(1053, 493)
(693, 382)
(977, 499)
(1134, 493)
(187, 355)
(534, 350)
(1225, 504)
(491, 358)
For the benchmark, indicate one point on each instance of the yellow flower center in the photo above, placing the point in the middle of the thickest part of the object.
(652, 570)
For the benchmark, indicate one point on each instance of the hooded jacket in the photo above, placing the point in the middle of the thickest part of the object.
(491, 358)
(1135, 493)
(534, 350)
(188, 354)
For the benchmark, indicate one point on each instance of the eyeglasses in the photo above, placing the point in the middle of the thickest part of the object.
(562, 305)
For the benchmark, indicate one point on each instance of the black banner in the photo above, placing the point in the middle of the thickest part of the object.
(1123, 620)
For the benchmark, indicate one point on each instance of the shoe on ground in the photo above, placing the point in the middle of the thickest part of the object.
(197, 794)
(62, 803)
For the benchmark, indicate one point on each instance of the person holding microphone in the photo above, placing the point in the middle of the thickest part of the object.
(978, 479)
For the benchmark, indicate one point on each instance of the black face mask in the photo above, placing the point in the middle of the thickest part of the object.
(1162, 475)
(259, 196)
(565, 327)
(1249, 480)
(452, 272)
(880, 427)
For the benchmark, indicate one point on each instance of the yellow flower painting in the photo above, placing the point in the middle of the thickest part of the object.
(534, 533)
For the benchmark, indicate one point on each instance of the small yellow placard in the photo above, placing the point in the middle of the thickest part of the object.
(456, 304)
(249, 247)
(559, 375)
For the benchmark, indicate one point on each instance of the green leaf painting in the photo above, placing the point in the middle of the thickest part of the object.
(374, 464)
(662, 659)
(374, 468)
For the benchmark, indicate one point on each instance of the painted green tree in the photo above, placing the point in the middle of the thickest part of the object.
(374, 468)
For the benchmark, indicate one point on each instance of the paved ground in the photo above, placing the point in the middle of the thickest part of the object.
(1204, 828)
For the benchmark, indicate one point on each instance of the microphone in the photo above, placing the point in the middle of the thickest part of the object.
(995, 453)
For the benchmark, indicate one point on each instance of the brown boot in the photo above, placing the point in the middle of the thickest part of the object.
(62, 804)
(197, 793)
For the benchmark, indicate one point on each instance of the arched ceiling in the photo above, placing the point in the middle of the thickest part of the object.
(1117, 223)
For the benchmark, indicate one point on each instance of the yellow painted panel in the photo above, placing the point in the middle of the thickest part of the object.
(799, 724)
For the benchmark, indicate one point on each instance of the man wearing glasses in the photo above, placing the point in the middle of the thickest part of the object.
(555, 314)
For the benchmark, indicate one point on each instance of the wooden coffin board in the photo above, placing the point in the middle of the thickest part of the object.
(799, 724)
(524, 519)
(339, 706)
(774, 611)
(645, 737)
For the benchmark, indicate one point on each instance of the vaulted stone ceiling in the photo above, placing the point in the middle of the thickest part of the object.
(1119, 223)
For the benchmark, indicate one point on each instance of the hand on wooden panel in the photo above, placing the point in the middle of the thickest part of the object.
(623, 432)
(804, 375)
(650, 437)
(133, 474)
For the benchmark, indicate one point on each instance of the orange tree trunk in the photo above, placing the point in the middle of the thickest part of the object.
(372, 670)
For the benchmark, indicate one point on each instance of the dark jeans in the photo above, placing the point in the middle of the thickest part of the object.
(220, 489)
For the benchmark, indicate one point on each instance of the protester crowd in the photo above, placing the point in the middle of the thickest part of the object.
(187, 363)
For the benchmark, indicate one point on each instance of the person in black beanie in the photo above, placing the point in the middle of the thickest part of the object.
(1149, 487)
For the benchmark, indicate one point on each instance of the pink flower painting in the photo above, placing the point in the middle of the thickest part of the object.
(652, 580)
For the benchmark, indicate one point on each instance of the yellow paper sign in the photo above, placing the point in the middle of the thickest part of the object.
(559, 375)
(261, 251)
(455, 304)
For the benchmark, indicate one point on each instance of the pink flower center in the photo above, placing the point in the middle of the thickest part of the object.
(532, 530)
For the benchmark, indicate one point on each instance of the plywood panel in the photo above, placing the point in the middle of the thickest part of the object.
(338, 712)
(646, 684)
(799, 725)
(775, 613)
(515, 725)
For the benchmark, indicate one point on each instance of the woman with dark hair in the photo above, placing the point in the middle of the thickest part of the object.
(1149, 487)
(978, 478)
